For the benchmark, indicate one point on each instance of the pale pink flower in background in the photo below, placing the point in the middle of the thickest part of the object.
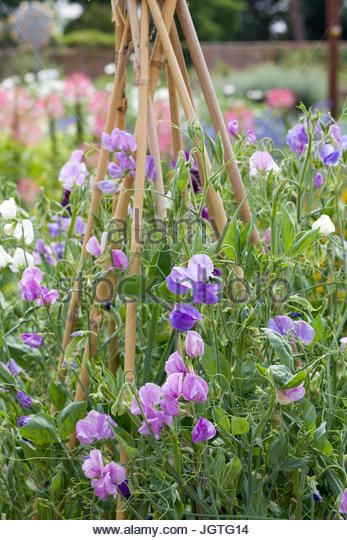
(28, 190)
(78, 87)
(98, 106)
(241, 114)
(162, 116)
(262, 162)
(281, 98)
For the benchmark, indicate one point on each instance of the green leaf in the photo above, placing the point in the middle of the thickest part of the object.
(321, 442)
(280, 346)
(239, 426)
(303, 242)
(40, 430)
(230, 472)
(69, 416)
(288, 230)
(57, 394)
(222, 419)
(6, 376)
(210, 364)
(230, 245)
(280, 374)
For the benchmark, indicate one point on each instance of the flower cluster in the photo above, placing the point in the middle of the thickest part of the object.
(95, 427)
(74, 171)
(296, 330)
(31, 288)
(160, 404)
(106, 479)
(96, 248)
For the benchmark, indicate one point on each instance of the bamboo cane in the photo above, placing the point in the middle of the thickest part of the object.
(177, 140)
(137, 225)
(215, 112)
(96, 195)
(155, 153)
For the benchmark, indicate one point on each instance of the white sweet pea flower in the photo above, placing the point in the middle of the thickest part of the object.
(21, 259)
(25, 228)
(8, 209)
(324, 225)
(9, 228)
(5, 258)
(262, 163)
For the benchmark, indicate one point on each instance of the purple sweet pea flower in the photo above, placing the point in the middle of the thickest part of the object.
(59, 248)
(172, 388)
(175, 364)
(194, 388)
(24, 399)
(155, 421)
(104, 487)
(23, 420)
(267, 237)
(280, 324)
(179, 280)
(303, 331)
(149, 395)
(203, 431)
(125, 165)
(79, 227)
(94, 248)
(151, 169)
(297, 138)
(120, 260)
(329, 154)
(45, 250)
(108, 186)
(184, 316)
(251, 136)
(93, 466)
(94, 427)
(318, 180)
(200, 267)
(124, 489)
(206, 293)
(74, 171)
(30, 287)
(290, 395)
(343, 503)
(195, 346)
(12, 367)
(119, 141)
(47, 297)
(32, 340)
(58, 225)
(233, 127)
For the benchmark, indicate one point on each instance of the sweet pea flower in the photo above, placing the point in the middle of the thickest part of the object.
(155, 421)
(343, 343)
(172, 388)
(343, 503)
(184, 316)
(303, 331)
(200, 267)
(125, 165)
(8, 209)
(318, 180)
(120, 260)
(151, 169)
(25, 230)
(280, 324)
(251, 136)
(262, 162)
(290, 395)
(175, 364)
(12, 367)
(329, 154)
(179, 280)
(24, 400)
(23, 420)
(108, 186)
(32, 340)
(206, 293)
(297, 138)
(74, 171)
(233, 127)
(21, 259)
(5, 258)
(94, 248)
(203, 430)
(149, 395)
(119, 141)
(194, 388)
(30, 284)
(195, 346)
(79, 226)
(113, 475)
(324, 225)
(93, 466)
(94, 427)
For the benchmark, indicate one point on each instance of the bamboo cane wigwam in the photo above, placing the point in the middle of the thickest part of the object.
(133, 19)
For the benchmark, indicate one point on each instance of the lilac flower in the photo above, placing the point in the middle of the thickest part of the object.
(200, 267)
(12, 367)
(74, 171)
(45, 250)
(79, 227)
(339, 140)
(151, 169)
(233, 127)
(267, 236)
(155, 421)
(303, 331)
(206, 293)
(290, 395)
(93, 466)
(184, 316)
(58, 225)
(94, 427)
(203, 431)
(172, 389)
(59, 248)
(329, 154)
(94, 248)
(30, 287)
(318, 180)
(124, 489)
(343, 503)
(125, 165)
(262, 162)
(297, 138)
(179, 280)
(119, 140)
(251, 136)
(317, 497)
(47, 297)
(120, 260)
(195, 346)
(149, 395)
(194, 388)
(32, 340)
(175, 364)
(23, 420)
(108, 186)
(24, 399)
(204, 213)
(103, 486)
(280, 324)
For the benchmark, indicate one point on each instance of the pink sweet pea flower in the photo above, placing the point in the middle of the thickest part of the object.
(94, 248)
